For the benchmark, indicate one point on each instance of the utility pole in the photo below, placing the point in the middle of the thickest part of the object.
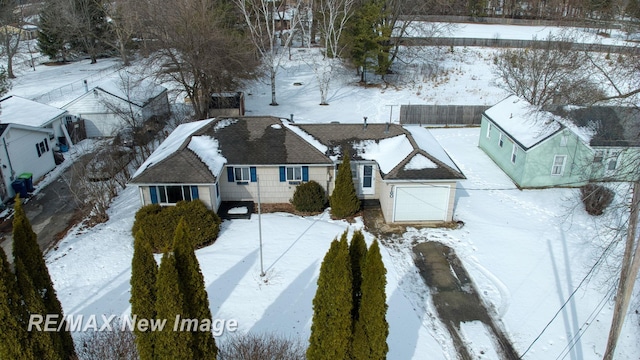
(628, 274)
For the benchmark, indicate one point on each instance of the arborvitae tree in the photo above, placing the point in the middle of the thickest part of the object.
(196, 302)
(31, 268)
(371, 328)
(331, 328)
(12, 327)
(42, 344)
(344, 201)
(144, 273)
(170, 344)
(357, 254)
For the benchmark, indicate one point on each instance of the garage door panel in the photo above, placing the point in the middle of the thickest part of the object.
(421, 203)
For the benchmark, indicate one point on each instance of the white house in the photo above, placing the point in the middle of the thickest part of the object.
(24, 149)
(109, 108)
(21, 111)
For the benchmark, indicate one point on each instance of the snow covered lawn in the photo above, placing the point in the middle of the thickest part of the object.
(526, 251)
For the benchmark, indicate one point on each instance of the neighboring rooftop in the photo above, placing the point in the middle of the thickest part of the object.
(18, 110)
(526, 124)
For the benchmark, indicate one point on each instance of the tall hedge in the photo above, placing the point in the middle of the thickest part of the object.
(344, 200)
(36, 288)
(196, 301)
(170, 344)
(331, 327)
(371, 327)
(159, 224)
(357, 254)
(144, 273)
(12, 316)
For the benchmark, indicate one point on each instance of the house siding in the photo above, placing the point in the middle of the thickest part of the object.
(626, 167)
(21, 147)
(532, 168)
(541, 157)
(272, 190)
(502, 155)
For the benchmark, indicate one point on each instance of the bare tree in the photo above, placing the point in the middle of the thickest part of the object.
(548, 72)
(10, 31)
(123, 22)
(197, 44)
(330, 20)
(264, 19)
(96, 178)
(87, 22)
(621, 74)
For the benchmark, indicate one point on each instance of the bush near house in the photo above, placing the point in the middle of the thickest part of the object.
(159, 224)
(309, 197)
(596, 198)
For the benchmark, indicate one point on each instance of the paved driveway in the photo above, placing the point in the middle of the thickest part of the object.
(51, 211)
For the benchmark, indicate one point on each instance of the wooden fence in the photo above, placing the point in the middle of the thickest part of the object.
(512, 43)
(444, 115)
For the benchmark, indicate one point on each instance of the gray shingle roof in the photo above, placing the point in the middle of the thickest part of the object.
(266, 141)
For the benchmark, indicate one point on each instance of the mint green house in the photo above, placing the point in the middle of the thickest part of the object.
(566, 146)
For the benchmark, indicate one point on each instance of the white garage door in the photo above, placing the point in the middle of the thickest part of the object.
(421, 203)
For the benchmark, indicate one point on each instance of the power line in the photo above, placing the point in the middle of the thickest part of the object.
(569, 298)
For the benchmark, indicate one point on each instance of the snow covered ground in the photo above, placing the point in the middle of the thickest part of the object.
(527, 251)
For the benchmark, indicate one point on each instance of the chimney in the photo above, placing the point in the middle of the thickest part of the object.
(365, 123)
(86, 86)
(291, 118)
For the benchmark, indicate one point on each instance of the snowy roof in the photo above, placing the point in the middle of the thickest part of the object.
(524, 123)
(18, 110)
(429, 144)
(206, 148)
(388, 153)
(137, 92)
(391, 146)
(171, 144)
(273, 141)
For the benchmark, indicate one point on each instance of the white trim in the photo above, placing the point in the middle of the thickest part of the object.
(555, 166)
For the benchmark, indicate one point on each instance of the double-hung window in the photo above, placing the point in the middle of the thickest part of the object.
(514, 153)
(242, 174)
(558, 165)
(294, 173)
(488, 130)
(500, 140)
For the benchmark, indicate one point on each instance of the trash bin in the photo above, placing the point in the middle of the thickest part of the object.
(64, 148)
(28, 181)
(20, 187)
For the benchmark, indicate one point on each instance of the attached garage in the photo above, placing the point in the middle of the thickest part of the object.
(421, 203)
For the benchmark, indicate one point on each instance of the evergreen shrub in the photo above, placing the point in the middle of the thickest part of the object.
(309, 197)
(159, 224)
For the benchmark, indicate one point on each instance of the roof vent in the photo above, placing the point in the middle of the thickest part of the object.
(365, 123)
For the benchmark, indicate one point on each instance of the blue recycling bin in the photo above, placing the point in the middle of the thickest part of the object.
(28, 181)
(20, 187)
